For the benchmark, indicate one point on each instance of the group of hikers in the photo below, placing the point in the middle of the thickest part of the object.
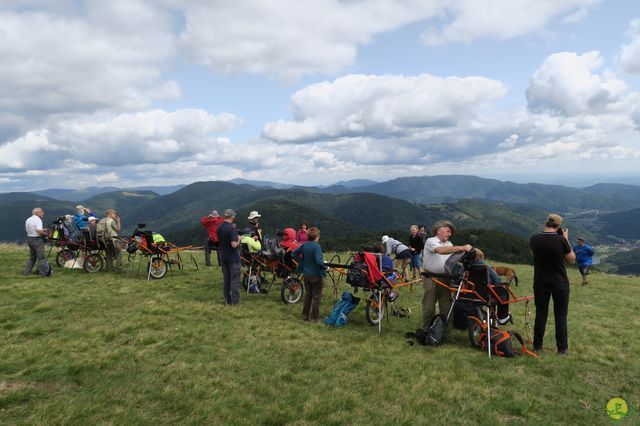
(435, 254)
(81, 228)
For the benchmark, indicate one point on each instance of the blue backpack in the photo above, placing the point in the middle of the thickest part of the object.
(341, 309)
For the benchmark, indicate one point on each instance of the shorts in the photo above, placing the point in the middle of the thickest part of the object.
(404, 254)
(584, 269)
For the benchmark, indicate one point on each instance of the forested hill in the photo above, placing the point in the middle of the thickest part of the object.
(450, 188)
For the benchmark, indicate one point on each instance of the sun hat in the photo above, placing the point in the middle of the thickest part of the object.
(253, 215)
(441, 223)
(80, 208)
(385, 238)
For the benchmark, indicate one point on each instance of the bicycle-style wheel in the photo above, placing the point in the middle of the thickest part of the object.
(63, 256)
(93, 263)
(477, 326)
(157, 267)
(373, 311)
(292, 290)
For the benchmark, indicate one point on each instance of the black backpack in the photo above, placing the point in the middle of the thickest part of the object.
(433, 335)
(357, 275)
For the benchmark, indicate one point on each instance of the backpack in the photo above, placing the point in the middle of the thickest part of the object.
(433, 335)
(357, 275)
(501, 344)
(103, 231)
(272, 247)
(462, 310)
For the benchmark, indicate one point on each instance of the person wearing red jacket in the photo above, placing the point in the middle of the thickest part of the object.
(211, 223)
(289, 244)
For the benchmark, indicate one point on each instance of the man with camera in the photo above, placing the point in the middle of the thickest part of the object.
(551, 249)
(107, 230)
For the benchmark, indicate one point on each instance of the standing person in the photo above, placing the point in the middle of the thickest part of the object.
(416, 244)
(314, 270)
(402, 252)
(551, 249)
(436, 251)
(254, 223)
(35, 240)
(211, 222)
(584, 254)
(230, 258)
(302, 236)
(107, 231)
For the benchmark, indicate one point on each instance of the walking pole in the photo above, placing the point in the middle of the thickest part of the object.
(488, 333)
(379, 313)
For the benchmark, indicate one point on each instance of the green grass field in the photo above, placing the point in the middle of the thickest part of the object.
(104, 348)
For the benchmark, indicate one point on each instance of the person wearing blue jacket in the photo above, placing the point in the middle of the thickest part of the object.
(584, 254)
(314, 270)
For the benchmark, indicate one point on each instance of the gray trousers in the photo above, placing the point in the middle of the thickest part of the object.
(36, 255)
(231, 288)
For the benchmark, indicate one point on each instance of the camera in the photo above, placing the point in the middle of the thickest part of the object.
(560, 231)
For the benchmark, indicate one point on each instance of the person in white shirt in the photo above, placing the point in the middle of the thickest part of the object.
(436, 251)
(35, 241)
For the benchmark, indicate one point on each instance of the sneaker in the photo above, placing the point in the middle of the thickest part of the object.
(503, 321)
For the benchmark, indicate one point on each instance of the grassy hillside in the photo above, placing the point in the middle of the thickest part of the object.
(116, 349)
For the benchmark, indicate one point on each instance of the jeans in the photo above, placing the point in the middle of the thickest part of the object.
(231, 287)
(36, 255)
(210, 246)
(416, 262)
(559, 292)
(312, 298)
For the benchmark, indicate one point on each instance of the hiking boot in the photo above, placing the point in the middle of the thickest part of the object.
(563, 352)
(537, 351)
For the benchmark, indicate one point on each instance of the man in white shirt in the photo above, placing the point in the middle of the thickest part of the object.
(35, 241)
(436, 251)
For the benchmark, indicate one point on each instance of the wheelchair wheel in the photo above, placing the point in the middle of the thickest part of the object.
(291, 290)
(157, 268)
(63, 256)
(476, 329)
(373, 313)
(92, 263)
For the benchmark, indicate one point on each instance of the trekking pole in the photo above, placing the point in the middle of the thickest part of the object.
(488, 333)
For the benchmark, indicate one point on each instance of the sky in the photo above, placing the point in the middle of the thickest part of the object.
(135, 92)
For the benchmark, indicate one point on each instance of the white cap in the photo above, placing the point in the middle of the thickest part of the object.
(385, 238)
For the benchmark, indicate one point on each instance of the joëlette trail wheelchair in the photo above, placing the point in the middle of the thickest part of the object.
(472, 285)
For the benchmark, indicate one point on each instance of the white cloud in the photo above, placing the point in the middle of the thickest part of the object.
(382, 106)
(502, 19)
(112, 140)
(289, 38)
(102, 56)
(567, 83)
(630, 52)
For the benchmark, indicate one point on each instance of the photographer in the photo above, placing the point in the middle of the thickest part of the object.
(551, 249)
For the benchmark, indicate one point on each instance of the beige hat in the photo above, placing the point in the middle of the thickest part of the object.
(253, 215)
(554, 219)
(80, 208)
(439, 224)
(385, 238)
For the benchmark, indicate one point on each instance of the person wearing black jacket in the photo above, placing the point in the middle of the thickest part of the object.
(551, 249)
(416, 244)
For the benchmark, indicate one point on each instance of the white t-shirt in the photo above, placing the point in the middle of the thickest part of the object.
(33, 225)
(434, 262)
